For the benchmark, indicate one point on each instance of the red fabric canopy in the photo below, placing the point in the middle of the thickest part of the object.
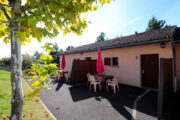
(100, 65)
(63, 62)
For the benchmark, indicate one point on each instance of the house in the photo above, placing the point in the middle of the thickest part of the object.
(135, 59)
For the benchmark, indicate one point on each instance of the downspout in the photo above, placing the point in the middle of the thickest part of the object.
(174, 62)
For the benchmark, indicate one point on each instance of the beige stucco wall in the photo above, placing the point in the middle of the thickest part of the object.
(129, 67)
(178, 65)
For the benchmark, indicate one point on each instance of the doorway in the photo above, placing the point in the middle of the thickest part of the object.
(150, 70)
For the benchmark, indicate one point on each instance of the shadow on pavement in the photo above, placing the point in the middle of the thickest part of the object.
(125, 97)
(59, 84)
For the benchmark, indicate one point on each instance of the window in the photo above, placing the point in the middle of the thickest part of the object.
(115, 61)
(107, 61)
(88, 58)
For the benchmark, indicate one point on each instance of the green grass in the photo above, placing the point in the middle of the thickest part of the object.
(5, 93)
(32, 108)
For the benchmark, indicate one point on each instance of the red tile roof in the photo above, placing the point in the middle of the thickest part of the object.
(141, 38)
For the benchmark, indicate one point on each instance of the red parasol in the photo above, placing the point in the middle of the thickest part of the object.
(100, 65)
(63, 62)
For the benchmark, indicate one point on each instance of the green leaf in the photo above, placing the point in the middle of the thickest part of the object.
(44, 73)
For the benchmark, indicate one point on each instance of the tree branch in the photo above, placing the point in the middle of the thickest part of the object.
(5, 12)
(28, 8)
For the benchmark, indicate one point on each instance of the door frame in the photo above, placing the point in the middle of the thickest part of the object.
(141, 81)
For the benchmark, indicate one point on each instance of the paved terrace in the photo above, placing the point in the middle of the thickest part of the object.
(76, 102)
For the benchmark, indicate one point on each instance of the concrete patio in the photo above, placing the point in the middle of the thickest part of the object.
(76, 102)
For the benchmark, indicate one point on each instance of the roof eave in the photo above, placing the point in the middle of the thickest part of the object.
(122, 45)
(177, 41)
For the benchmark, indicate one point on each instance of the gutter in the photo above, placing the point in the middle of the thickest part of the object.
(174, 62)
(122, 45)
(177, 41)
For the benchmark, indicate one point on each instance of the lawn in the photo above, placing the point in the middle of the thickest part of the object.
(32, 108)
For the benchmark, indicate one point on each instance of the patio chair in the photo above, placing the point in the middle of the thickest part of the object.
(94, 82)
(88, 78)
(58, 76)
(67, 77)
(113, 83)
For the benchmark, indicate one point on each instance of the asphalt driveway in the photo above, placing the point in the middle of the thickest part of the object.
(76, 102)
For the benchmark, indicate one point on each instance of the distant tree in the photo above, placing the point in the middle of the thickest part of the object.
(55, 54)
(6, 61)
(58, 56)
(61, 51)
(154, 23)
(27, 61)
(101, 37)
(37, 55)
(70, 47)
(56, 47)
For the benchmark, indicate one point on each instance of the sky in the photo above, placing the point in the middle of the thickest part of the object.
(121, 17)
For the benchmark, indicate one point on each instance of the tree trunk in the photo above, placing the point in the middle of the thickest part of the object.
(16, 63)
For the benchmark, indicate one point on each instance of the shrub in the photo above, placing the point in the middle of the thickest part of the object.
(27, 61)
(6, 61)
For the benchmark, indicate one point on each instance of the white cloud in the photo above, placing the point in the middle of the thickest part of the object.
(131, 22)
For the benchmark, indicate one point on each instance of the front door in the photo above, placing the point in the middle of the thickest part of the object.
(150, 70)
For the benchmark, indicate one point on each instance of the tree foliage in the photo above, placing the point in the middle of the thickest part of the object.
(70, 47)
(101, 37)
(6, 61)
(41, 70)
(27, 61)
(56, 54)
(56, 47)
(154, 23)
(37, 55)
(38, 19)
(43, 18)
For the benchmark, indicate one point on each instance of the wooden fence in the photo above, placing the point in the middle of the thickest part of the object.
(80, 68)
(165, 86)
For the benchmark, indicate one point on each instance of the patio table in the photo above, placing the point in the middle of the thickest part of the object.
(103, 77)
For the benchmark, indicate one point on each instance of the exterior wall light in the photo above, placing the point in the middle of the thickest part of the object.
(136, 57)
(163, 45)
